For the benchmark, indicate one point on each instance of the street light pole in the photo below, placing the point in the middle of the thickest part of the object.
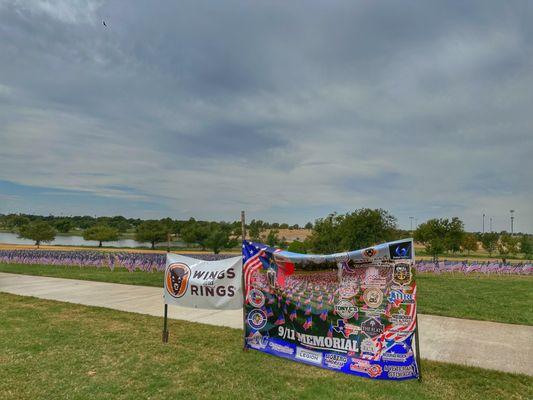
(411, 220)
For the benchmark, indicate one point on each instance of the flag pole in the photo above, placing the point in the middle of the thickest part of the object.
(243, 233)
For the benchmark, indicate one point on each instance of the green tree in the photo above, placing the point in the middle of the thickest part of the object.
(195, 232)
(63, 225)
(489, 241)
(219, 238)
(272, 238)
(366, 227)
(297, 247)
(17, 221)
(309, 225)
(526, 246)
(120, 223)
(39, 231)
(101, 233)
(151, 231)
(454, 234)
(254, 230)
(326, 236)
(470, 242)
(432, 234)
(356, 230)
(508, 245)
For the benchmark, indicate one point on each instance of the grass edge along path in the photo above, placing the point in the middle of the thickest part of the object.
(505, 299)
(60, 350)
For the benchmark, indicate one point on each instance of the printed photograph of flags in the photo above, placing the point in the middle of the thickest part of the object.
(305, 302)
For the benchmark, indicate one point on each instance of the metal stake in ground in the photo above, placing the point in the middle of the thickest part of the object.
(165, 330)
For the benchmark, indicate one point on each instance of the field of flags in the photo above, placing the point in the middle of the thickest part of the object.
(101, 259)
(156, 262)
(481, 267)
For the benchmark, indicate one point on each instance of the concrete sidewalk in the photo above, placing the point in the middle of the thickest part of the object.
(491, 345)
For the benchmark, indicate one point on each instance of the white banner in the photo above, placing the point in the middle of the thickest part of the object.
(203, 284)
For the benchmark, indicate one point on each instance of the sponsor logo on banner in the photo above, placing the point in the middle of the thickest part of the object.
(400, 251)
(256, 298)
(373, 297)
(372, 327)
(281, 349)
(257, 341)
(348, 289)
(369, 253)
(346, 329)
(400, 371)
(402, 274)
(372, 370)
(375, 281)
(368, 346)
(401, 319)
(374, 312)
(257, 319)
(313, 357)
(345, 309)
(177, 280)
(335, 361)
(397, 297)
(396, 357)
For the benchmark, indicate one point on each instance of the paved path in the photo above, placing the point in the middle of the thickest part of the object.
(483, 344)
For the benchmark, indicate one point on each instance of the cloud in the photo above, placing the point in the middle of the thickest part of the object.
(289, 111)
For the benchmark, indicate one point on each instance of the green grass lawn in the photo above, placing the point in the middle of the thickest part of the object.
(54, 350)
(492, 298)
(507, 299)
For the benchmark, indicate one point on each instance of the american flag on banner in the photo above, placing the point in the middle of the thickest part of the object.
(251, 258)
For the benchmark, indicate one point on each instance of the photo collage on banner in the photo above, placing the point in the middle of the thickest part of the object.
(353, 312)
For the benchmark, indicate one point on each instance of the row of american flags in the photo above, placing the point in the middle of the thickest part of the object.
(488, 267)
(154, 261)
(87, 258)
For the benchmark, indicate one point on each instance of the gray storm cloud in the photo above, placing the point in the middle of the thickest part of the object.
(287, 110)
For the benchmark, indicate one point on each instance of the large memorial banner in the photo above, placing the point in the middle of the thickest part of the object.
(203, 284)
(353, 312)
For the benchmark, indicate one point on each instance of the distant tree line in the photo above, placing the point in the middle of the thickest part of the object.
(447, 236)
(334, 233)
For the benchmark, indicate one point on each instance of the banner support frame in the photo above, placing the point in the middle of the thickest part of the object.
(416, 333)
(417, 343)
(243, 283)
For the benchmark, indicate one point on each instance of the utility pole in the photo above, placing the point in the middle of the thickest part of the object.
(411, 220)
(512, 221)
(483, 222)
(491, 224)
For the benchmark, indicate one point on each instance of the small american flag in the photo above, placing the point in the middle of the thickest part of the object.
(251, 258)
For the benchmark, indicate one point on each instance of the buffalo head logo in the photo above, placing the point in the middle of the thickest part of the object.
(370, 252)
(177, 279)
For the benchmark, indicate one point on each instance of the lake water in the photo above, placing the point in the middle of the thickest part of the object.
(12, 238)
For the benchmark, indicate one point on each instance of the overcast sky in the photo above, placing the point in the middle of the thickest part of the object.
(286, 109)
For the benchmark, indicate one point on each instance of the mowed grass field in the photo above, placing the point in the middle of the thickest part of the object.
(507, 299)
(54, 350)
